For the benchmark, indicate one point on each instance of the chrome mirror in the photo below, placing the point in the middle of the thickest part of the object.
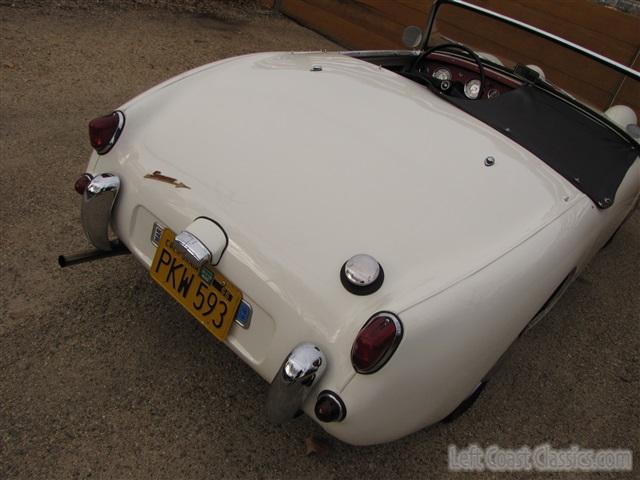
(412, 36)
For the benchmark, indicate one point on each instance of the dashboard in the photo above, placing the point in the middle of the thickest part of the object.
(457, 70)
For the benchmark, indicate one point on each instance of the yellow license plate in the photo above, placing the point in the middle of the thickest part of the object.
(205, 293)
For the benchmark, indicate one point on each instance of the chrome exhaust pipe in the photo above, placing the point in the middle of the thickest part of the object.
(117, 248)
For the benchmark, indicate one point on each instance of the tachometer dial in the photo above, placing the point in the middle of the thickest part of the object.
(442, 74)
(472, 89)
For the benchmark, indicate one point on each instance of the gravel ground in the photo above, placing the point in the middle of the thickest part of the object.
(103, 376)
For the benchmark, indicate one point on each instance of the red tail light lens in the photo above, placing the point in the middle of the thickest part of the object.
(376, 342)
(82, 183)
(329, 407)
(104, 131)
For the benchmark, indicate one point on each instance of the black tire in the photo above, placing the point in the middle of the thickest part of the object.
(611, 238)
(466, 404)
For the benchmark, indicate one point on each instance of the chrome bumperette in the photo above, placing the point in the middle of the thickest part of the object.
(301, 369)
(97, 203)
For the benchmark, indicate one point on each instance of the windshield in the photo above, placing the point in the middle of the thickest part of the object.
(589, 81)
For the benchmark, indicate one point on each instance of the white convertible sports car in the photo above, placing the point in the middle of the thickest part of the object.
(370, 231)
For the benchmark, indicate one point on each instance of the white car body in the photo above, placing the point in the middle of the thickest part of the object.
(304, 168)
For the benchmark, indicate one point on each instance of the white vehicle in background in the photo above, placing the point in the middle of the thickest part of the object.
(369, 231)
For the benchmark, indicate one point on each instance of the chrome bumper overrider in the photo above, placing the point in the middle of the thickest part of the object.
(97, 202)
(301, 369)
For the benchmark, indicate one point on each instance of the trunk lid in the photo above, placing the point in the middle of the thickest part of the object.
(306, 168)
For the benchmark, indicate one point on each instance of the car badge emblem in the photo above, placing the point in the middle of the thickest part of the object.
(157, 175)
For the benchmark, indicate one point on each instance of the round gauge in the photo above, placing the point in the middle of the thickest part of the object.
(442, 74)
(493, 93)
(472, 89)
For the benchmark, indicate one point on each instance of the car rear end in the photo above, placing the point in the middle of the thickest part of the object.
(278, 206)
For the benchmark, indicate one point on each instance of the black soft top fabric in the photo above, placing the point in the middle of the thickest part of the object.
(590, 155)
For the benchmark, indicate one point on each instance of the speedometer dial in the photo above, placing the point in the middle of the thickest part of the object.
(472, 89)
(442, 74)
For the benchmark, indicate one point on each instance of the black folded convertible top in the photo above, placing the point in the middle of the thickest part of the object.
(592, 156)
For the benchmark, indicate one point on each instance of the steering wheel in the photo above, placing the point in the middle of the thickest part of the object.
(445, 85)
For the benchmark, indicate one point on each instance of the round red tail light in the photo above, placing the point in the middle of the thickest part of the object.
(82, 183)
(104, 131)
(376, 342)
(330, 407)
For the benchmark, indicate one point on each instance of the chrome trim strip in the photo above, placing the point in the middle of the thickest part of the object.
(381, 53)
(537, 31)
(302, 368)
(97, 202)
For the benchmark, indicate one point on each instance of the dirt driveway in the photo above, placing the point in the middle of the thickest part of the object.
(103, 376)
